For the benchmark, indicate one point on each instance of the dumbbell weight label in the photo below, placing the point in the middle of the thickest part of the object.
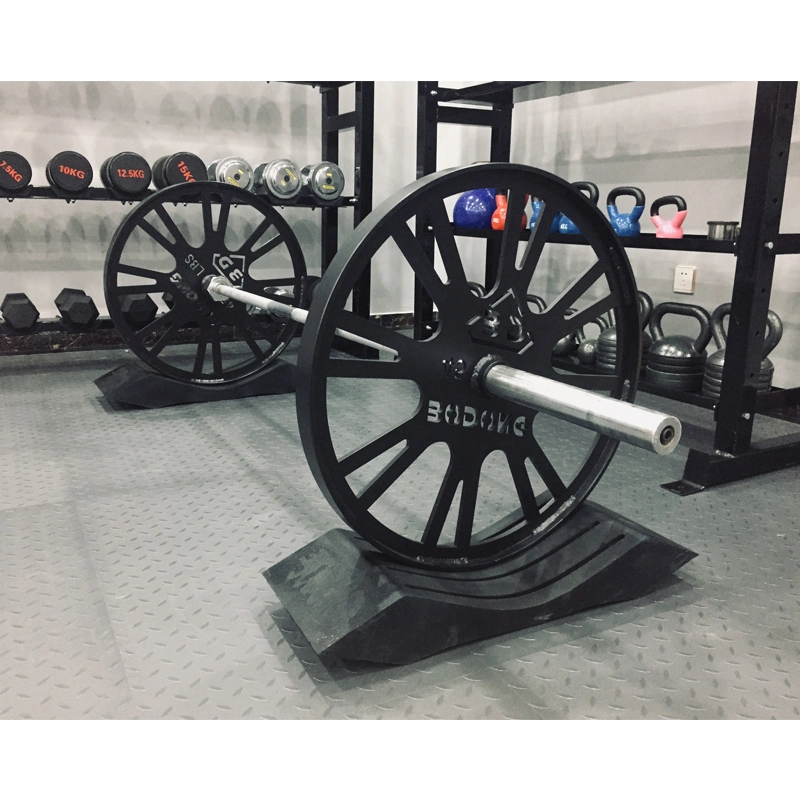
(127, 173)
(15, 171)
(69, 172)
(184, 168)
(12, 172)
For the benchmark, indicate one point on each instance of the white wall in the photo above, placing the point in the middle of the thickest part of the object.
(690, 139)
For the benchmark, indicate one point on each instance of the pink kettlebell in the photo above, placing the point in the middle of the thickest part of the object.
(668, 229)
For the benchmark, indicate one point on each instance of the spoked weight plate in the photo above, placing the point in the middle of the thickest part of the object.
(165, 248)
(412, 456)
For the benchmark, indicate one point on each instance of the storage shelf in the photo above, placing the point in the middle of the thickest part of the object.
(96, 193)
(647, 241)
(787, 243)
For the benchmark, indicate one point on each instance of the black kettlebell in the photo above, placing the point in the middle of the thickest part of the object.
(587, 348)
(607, 341)
(678, 361)
(712, 377)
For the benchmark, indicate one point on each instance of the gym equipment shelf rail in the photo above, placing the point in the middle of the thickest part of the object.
(730, 455)
(96, 193)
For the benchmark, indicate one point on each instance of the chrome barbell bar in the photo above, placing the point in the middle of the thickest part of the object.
(651, 430)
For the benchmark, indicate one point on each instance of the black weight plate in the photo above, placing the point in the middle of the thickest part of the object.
(128, 173)
(15, 171)
(69, 172)
(184, 168)
(164, 249)
(159, 181)
(410, 483)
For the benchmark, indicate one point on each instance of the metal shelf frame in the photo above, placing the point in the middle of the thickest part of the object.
(731, 455)
(361, 120)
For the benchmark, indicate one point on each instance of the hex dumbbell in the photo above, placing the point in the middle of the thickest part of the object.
(78, 311)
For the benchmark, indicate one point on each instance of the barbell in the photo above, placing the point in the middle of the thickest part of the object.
(477, 455)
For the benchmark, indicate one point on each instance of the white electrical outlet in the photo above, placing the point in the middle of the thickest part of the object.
(684, 280)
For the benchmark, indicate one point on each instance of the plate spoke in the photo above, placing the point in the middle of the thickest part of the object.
(419, 262)
(547, 472)
(442, 504)
(389, 474)
(377, 447)
(579, 287)
(267, 246)
(522, 483)
(533, 250)
(509, 244)
(448, 248)
(257, 233)
(170, 225)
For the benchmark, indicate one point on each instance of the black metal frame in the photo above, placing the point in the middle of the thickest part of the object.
(731, 455)
(362, 120)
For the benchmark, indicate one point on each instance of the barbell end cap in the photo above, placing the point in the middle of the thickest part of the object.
(667, 436)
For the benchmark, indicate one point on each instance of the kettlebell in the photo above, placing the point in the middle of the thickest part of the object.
(712, 377)
(671, 229)
(536, 207)
(607, 341)
(678, 361)
(567, 226)
(569, 343)
(474, 209)
(537, 301)
(625, 224)
(499, 216)
(587, 348)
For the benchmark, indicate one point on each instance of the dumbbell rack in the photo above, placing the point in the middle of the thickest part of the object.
(361, 119)
(731, 455)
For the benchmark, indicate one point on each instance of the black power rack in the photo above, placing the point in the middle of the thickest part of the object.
(730, 454)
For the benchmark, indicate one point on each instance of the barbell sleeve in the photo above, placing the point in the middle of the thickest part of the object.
(627, 422)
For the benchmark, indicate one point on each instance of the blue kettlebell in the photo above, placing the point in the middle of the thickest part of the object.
(625, 224)
(536, 207)
(567, 226)
(474, 209)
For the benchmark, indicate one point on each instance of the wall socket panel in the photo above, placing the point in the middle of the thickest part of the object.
(684, 280)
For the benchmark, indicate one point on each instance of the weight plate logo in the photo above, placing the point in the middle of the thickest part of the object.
(232, 267)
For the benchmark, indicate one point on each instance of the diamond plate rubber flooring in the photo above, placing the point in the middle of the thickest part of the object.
(133, 542)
